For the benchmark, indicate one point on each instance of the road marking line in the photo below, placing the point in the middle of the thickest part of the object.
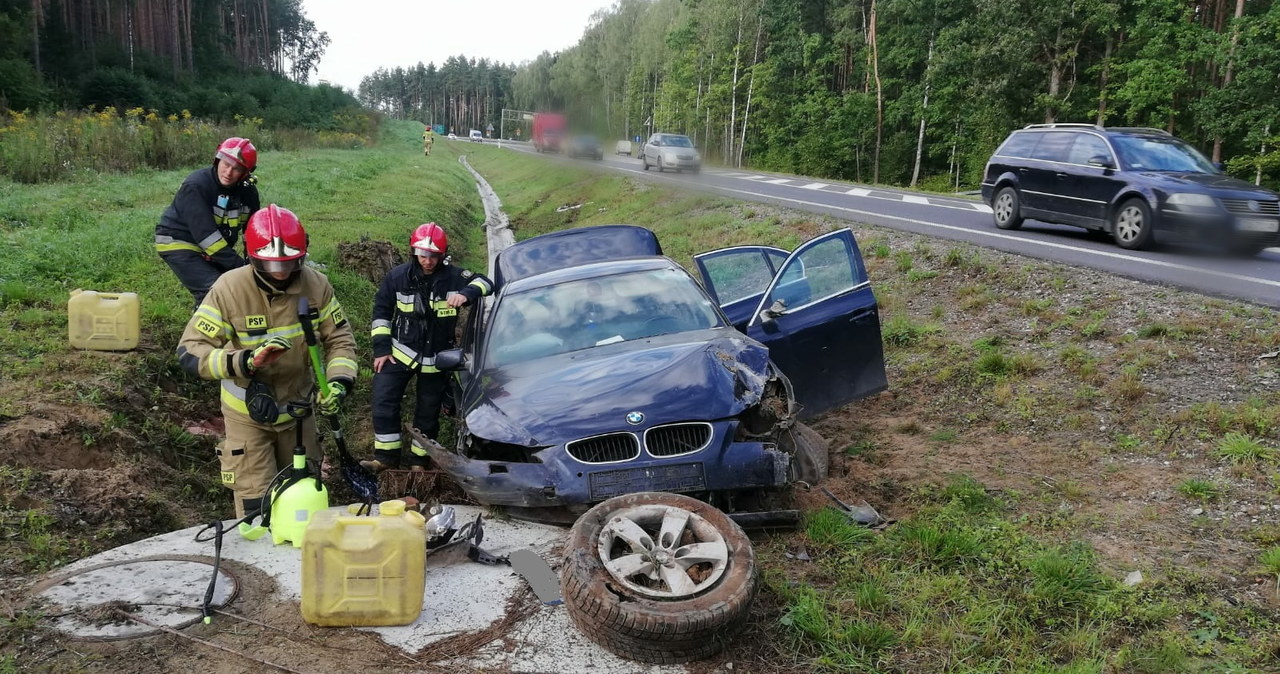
(981, 208)
(754, 177)
(814, 186)
(778, 181)
(729, 175)
(858, 192)
(911, 199)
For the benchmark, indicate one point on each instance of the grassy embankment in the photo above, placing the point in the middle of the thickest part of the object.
(982, 572)
(118, 420)
(1052, 396)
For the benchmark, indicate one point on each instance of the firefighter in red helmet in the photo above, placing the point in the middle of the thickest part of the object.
(197, 233)
(414, 316)
(246, 333)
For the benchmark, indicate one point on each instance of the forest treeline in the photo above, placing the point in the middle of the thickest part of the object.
(217, 59)
(462, 94)
(892, 91)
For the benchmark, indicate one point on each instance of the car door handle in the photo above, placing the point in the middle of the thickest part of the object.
(1061, 175)
(861, 314)
(1022, 171)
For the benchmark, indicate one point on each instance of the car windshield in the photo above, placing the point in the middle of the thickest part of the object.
(595, 312)
(677, 141)
(1150, 153)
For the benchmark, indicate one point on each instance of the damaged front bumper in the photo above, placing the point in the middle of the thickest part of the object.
(560, 480)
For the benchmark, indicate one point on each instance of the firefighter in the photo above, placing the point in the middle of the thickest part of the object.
(197, 233)
(428, 137)
(246, 333)
(414, 316)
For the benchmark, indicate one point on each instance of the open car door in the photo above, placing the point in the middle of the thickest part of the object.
(816, 312)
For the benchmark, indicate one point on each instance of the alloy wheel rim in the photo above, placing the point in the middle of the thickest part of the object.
(663, 551)
(1129, 224)
(1004, 207)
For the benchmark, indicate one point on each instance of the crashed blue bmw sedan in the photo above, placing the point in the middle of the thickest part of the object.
(602, 368)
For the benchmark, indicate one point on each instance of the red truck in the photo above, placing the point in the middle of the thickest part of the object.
(548, 132)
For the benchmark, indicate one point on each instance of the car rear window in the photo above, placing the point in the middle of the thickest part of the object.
(1054, 146)
(1018, 145)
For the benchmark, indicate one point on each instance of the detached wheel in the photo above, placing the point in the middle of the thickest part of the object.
(1007, 208)
(1131, 225)
(658, 577)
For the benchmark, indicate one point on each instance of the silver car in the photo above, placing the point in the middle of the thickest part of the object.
(671, 151)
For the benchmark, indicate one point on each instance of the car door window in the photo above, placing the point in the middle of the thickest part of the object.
(1054, 146)
(824, 270)
(1086, 147)
(736, 277)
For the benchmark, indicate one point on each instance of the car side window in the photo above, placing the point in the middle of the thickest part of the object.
(827, 269)
(1086, 147)
(737, 277)
(1054, 146)
(1018, 145)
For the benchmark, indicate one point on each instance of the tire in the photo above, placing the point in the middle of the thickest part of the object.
(660, 168)
(634, 615)
(1131, 225)
(1007, 208)
(645, 161)
(810, 457)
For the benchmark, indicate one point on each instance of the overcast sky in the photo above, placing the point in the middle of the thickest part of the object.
(369, 34)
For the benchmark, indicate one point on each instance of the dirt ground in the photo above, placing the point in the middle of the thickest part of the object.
(1110, 462)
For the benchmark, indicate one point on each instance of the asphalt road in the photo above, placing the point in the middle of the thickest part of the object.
(961, 218)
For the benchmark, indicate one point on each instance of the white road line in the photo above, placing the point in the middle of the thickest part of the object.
(729, 175)
(981, 208)
(778, 181)
(993, 235)
(814, 186)
(754, 177)
(912, 199)
(858, 192)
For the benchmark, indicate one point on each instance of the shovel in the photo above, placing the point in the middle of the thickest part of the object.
(361, 481)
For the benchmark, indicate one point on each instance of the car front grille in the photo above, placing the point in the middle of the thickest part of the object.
(677, 439)
(604, 448)
(1241, 207)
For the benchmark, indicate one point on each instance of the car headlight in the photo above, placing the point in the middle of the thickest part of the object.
(1191, 200)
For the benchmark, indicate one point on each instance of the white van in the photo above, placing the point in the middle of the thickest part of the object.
(476, 136)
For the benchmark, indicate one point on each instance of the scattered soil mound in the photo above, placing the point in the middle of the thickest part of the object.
(368, 258)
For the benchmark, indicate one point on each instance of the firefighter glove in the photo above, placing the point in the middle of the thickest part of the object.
(330, 404)
(268, 352)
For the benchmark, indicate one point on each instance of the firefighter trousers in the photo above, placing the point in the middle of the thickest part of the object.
(388, 391)
(252, 454)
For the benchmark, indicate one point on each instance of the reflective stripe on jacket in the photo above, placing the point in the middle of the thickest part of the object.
(412, 320)
(241, 312)
(206, 218)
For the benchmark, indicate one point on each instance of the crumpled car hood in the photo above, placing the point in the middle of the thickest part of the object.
(580, 394)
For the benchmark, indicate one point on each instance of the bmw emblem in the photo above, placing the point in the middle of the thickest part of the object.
(1254, 206)
(635, 418)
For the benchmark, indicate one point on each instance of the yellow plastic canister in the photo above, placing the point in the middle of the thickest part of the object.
(364, 571)
(102, 321)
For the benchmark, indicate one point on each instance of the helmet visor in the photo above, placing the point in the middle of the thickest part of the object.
(423, 252)
(277, 266)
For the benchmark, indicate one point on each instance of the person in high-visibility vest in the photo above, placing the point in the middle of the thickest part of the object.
(428, 137)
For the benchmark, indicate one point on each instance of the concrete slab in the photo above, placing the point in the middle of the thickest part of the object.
(460, 598)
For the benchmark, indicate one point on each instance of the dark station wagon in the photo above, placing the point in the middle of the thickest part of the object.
(1138, 185)
(602, 368)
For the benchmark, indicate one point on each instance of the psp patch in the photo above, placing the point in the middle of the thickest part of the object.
(208, 328)
(255, 322)
(228, 477)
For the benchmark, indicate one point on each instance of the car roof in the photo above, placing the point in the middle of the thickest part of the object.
(573, 247)
(590, 270)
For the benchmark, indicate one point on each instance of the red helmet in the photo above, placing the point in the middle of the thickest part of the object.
(429, 239)
(275, 240)
(238, 151)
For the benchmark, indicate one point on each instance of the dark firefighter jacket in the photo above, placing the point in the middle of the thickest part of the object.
(412, 321)
(206, 218)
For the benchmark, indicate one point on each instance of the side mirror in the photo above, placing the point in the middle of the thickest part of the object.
(450, 359)
(1102, 161)
(768, 317)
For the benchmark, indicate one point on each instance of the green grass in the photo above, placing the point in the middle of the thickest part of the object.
(1201, 490)
(1243, 450)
